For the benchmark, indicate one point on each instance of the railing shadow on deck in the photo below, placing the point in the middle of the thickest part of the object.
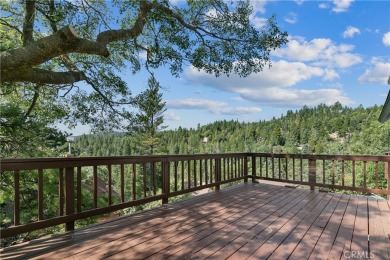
(89, 186)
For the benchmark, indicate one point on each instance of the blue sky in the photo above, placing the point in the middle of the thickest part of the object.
(337, 51)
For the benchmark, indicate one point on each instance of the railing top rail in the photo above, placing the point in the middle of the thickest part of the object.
(64, 162)
(380, 158)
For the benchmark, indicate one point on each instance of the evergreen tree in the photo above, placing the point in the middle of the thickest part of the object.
(148, 122)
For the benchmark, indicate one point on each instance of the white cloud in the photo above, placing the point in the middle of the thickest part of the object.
(350, 32)
(291, 18)
(281, 74)
(212, 13)
(323, 5)
(299, 2)
(258, 22)
(258, 9)
(298, 97)
(236, 111)
(171, 116)
(272, 86)
(258, 6)
(386, 39)
(341, 5)
(143, 55)
(300, 50)
(319, 51)
(378, 73)
(194, 103)
(212, 106)
(330, 75)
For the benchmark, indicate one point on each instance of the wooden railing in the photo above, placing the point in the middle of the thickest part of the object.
(360, 173)
(89, 186)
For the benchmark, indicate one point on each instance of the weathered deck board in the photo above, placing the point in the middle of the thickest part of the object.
(255, 221)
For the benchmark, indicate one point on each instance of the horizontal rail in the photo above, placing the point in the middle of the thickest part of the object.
(359, 173)
(90, 186)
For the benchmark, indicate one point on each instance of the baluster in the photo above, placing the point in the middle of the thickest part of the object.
(195, 179)
(376, 174)
(109, 167)
(175, 169)
(189, 174)
(122, 183)
(312, 173)
(61, 191)
(353, 174)
(286, 169)
(144, 179)
(333, 172)
(364, 174)
(253, 167)
(201, 172)
(154, 179)
(182, 175)
(323, 172)
(342, 173)
(17, 198)
(69, 196)
(79, 189)
(133, 182)
(40, 194)
(95, 186)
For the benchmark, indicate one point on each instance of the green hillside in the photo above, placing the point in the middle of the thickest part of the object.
(323, 129)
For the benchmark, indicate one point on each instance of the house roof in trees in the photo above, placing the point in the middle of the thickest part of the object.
(385, 114)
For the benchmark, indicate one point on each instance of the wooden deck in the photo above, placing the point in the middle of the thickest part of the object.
(248, 221)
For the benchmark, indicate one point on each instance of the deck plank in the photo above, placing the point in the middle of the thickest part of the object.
(327, 231)
(102, 246)
(306, 233)
(294, 228)
(72, 242)
(237, 228)
(273, 224)
(197, 223)
(360, 232)
(186, 241)
(384, 209)
(343, 239)
(256, 221)
(377, 226)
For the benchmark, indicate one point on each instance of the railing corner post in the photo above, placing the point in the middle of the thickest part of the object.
(312, 173)
(165, 182)
(69, 196)
(387, 175)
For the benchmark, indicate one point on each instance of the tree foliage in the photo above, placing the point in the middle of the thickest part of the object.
(323, 130)
(148, 122)
(80, 48)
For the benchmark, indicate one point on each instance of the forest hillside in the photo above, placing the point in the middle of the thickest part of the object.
(322, 129)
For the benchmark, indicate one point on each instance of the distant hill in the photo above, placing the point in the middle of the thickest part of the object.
(322, 129)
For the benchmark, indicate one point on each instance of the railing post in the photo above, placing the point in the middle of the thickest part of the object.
(312, 173)
(217, 173)
(253, 159)
(165, 182)
(245, 168)
(69, 196)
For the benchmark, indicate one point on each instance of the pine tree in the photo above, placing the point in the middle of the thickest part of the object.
(148, 122)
